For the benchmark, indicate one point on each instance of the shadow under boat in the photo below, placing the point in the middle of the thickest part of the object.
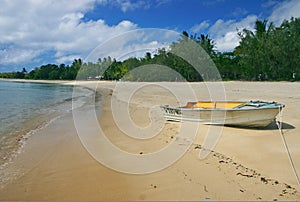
(271, 126)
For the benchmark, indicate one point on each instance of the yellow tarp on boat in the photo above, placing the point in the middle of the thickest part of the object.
(213, 105)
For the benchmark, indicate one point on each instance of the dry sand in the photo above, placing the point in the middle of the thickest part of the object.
(246, 164)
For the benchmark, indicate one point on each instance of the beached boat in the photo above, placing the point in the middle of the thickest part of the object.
(235, 113)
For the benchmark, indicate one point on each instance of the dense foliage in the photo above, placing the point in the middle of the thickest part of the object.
(268, 53)
(47, 72)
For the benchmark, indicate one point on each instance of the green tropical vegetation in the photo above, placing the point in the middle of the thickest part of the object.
(268, 53)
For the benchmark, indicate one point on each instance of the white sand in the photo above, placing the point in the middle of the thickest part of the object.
(246, 164)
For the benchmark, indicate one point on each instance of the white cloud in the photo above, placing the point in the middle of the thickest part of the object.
(220, 28)
(269, 3)
(162, 2)
(239, 12)
(227, 42)
(131, 5)
(134, 44)
(33, 27)
(225, 35)
(67, 58)
(128, 5)
(284, 11)
(36, 30)
(17, 56)
(200, 27)
(139, 50)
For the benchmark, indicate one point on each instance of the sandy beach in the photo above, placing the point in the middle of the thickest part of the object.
(245, 164)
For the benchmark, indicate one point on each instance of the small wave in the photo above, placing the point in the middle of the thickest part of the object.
(81, 95)
(16, 137)
(5, 177)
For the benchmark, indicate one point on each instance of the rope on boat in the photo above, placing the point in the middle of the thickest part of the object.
(279, 125)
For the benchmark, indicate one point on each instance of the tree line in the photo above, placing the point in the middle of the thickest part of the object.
(47, 72)
(267, 53)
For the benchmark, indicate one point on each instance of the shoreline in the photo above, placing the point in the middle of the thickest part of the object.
(35, 122)
(16, 130)
(80, 82)
(237, 169)
(37, 81)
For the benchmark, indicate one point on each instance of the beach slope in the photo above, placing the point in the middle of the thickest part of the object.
(246, 164)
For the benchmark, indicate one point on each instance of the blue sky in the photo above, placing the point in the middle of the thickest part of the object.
(179, 14)
(37, 32)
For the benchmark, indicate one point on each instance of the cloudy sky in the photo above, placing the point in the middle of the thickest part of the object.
(36, 32)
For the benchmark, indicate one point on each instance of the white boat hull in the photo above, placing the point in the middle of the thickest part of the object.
(246, 117)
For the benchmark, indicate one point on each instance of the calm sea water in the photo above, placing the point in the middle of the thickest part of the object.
(25, 107)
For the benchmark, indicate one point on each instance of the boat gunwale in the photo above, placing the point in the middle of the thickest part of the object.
(238, 108)
(220, 109)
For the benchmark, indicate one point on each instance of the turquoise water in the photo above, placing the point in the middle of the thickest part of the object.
(25, 107)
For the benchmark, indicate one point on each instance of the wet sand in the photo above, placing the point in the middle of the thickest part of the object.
(246, 164)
